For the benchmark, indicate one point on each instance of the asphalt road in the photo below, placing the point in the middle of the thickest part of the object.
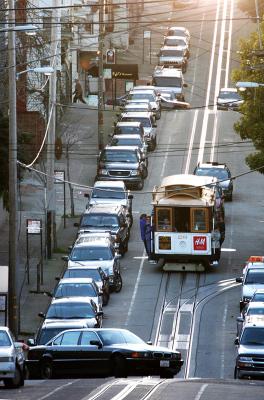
(193, 313)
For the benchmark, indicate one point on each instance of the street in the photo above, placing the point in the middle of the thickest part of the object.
(191, 312)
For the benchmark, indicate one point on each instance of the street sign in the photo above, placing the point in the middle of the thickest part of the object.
(147, 34)
(34, 226)
(59, 176)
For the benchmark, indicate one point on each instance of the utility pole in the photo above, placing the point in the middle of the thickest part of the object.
(258, 24)
(12, 154)
(51, 210)
(101, 75)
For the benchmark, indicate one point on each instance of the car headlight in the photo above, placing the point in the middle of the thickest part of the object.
(135, 172)
(111, 279)
(103, 171)
(245, 361)
(137, 354)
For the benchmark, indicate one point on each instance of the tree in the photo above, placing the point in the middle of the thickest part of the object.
(249, 7)
(251, 123)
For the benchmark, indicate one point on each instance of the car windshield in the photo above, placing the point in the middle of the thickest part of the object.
(174, 42)
(99, 221)
(70, 310)
(171, 53)
(75, 289)
(229, 95)
(254, 277)
(252, 336)
(122, 156)
(176, 32)
(83, 273)
(144, 121)
(167, 81)
(127, 129)
(4, 339)
(91, 254)
(110, 337)
(108, 193)
(255, 311)
(219, 173)
(136, 96)
(126, 142)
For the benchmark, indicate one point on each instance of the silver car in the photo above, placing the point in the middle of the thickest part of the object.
(148, 94)
(12, 360)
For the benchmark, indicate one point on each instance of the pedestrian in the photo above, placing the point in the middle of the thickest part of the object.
(146, 233)
(78, 92)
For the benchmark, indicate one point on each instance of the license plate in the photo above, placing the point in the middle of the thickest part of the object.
(164, 363)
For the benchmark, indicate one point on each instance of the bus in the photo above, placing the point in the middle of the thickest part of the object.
(187, 222)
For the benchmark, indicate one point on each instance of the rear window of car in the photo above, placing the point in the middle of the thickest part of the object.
(252, 336)
(99, 221)
(70, 310)
(92, 253)
(219, 173)
(144, 121)
(254, 276)
(127, 129)
(171, 53)
(121, 156)
(75, 289)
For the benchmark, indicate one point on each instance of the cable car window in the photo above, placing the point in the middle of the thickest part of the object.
(164, 219)
(199, 219)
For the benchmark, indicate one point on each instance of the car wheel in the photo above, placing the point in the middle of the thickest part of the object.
(120, 368)
(140, 185)
(145, 173)
(118, 283)
(18, 380)
(46, 369)
(130, 220)
(105, 298)
(158, 115)
(166, 374)
(184, 68)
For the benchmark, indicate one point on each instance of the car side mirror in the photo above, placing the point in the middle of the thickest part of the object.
(87, 195)
(57, 278)
(240, 319)
(185, 85)
(118, 255)
(130, 196)
(41, 315)
(31, 342)
(70, 248)
(100, 293)
(239, 280)
(65, 258)
(236, 341)
(149, 342)
(76, 224)
(155, 125)
(96, 343)
(48, 294)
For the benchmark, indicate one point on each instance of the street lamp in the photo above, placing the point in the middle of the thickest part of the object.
(13, 309)
(245, 85)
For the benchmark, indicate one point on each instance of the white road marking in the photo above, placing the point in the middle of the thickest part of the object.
(187, 166)
(226, 249)
(136, 288)
(205, 118)
(56, 390)
(199, 394)
(222, 371)
(165, 159)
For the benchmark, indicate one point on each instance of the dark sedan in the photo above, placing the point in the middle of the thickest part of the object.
(85, 352)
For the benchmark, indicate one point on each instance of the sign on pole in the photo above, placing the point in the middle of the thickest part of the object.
(34, 226)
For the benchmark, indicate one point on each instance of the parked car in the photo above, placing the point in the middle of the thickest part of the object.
(12, 360)
(108, 218)
(252, 280)
(169, 79)
(92, 249)
(258, 295)
(178, 41)
(94, 272)
(136, 107)
(79, 287)
(123, 163)
(219, 171)
(173, 56)
(129, 128)
(132, 140)
(149, 126)
(250, 345)
(111, 192)
(147, 94)
(252, 310)
(117, 352)
(229, 99)
(76, 309)
(179, 31)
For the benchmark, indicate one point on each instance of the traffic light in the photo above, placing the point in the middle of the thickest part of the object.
(110, 56)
